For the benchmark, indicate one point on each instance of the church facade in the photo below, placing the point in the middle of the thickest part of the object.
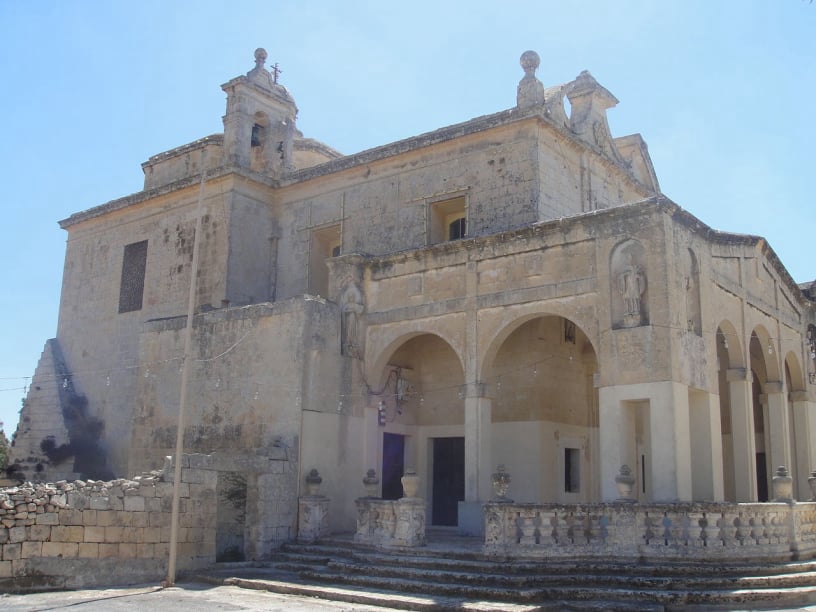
(513, 290)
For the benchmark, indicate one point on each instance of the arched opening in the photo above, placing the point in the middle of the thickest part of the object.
(736, 434)
(420, 412)
(545, 411)
(762, 360)
(258, 142)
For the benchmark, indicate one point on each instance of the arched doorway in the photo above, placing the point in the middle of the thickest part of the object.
(545, 410)
(420, 413)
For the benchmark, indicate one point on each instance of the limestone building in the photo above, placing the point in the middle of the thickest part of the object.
(512, 290)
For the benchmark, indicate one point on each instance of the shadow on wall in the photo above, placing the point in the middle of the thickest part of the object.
(84, 434)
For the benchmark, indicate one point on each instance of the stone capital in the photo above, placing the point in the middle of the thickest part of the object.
(737, 375)
(774, 386)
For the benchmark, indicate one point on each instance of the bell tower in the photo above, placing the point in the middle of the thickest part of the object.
(259, 126)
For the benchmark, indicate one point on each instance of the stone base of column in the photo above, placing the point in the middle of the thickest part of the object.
(313, 518)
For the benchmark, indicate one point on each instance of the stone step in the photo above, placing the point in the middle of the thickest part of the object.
(631, 596)
(790, 574)
(421, 578)
(494, 577)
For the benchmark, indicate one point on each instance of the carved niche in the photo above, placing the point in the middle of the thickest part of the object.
(352, 306)
(629, 285)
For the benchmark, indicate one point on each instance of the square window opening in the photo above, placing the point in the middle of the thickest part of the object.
(447, 220)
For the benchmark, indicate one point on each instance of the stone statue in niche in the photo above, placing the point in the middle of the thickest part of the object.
(351, 308)
(631, 285)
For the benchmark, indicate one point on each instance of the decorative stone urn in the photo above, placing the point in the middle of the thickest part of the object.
(501, 482)
(625, 483)
(812, 485)
(371, 483)
(313, 481)
(410, 483)
(782, 485)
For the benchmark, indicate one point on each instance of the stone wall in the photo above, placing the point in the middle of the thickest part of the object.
(91, 533)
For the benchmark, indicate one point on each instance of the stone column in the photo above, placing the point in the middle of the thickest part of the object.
(706, 447)
(779, 426)
(804, 440)
(742, 434)
(478, 459)
(670, 442)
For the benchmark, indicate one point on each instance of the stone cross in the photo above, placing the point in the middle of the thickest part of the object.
(275, 72)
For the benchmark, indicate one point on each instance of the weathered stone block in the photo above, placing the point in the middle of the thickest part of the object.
(95, 534)
(89, 517)
(134, 503)
(88, 550)
(39, 533)
(113, 534)
(17, 534)
(104, 518)
(159, 519)
(48, 518)
(100, 503)
(107, 551)
(72, 533)
(70, 516)
(139, 519)
(151, 535)
(31, 550)
(144, 550)
(127, 550)
(51, 549)
(6, 569)
(11, 551)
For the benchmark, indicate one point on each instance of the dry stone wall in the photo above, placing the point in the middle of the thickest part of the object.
(94, 533)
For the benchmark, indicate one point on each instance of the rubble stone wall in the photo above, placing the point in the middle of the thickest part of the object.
(92, 533)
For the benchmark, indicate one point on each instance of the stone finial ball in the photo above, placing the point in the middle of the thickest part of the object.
(260, 54)
(530, 61)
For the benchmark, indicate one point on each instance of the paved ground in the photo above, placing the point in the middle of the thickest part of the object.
(183, 598)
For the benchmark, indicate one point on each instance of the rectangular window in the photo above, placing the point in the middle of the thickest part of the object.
(447, 220)
(131, 287)
(572, 470)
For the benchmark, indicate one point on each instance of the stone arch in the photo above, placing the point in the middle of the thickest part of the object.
(732, 366)
(761, 339)
(416, 394)
(629, 287)
(539, 373)
(729, 344)
(492, 345)
(795, 376)
(390, 340)
(259, 138)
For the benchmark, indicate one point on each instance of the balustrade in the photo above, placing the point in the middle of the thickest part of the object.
(659, 531)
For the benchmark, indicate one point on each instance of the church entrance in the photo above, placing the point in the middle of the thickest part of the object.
(448, 480)
(393, 458)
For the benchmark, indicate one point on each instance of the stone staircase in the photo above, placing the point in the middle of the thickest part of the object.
(448, 575)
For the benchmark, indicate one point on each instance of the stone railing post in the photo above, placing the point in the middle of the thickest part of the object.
(313, 511)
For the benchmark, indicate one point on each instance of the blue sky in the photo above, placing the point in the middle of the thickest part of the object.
(722, 91)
